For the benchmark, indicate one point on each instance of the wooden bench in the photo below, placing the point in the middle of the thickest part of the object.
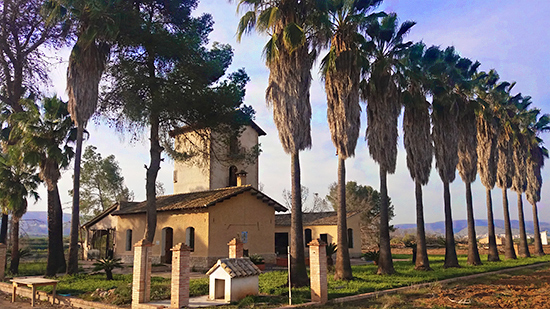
(32, 283)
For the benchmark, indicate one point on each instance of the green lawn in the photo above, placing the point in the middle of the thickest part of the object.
(273, 284)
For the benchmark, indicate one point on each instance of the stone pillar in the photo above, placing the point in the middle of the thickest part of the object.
(3, 251)
(318, 271)
(235, 248)
(141, 286)
(180, 276)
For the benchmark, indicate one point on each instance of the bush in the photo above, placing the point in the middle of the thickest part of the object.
(108, 264)
(257, 259)
(373, 255)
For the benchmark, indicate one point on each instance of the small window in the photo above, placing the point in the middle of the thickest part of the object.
(350, 238)
(190, 238)
(128, 240)
(324, 238)
(307, 236)
(175, 176)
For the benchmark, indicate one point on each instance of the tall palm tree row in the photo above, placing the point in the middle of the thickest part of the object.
(289, 54)
(342, 70)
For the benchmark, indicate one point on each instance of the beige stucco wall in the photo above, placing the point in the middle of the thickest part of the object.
(243, 213)
(219, 173)
(201, 174)
(179, 222)
(108, 222)
(332, 237)
(192, 175)
(213, 230)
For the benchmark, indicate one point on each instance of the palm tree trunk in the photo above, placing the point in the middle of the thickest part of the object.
(72, 265)
(493, 249)
(150, 186)
(298, 273)
(4, 228)
(509, 251)
(422, 262)
(56, 256)
(523, 246)
(451, 259)
(385, 263)
(473, 253)
(14, 265)
(343, 266)
(538, 242)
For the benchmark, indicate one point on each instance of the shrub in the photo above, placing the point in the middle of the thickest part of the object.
(257, 259)
(107, 264)
(372, 256)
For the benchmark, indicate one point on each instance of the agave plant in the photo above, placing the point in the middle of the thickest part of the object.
(107, 264)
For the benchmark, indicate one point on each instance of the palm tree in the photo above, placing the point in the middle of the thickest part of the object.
(520, 152)
(488, 92)
(535, 162)
(467, 145)
(342, 69)
(418, 142)
(445, 132)
(383, 95)
(505, 166)
(43, 137)
(289, 57)
(96, 26)
(18, 181)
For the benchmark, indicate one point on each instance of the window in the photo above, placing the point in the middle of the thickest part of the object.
(324, 237)
(232, 176)
(307, 236)
(190, 238)
(128, 240)
(175, 176)
(350, 238)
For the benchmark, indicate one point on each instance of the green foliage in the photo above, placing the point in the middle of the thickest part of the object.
(257, 259)
(371, 256)
(108, 264)
(101, 183)
(366, 200)
(331, 249)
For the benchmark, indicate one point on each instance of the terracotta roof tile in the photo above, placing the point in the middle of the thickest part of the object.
(312, 218)
(236, 268)
(197, 200)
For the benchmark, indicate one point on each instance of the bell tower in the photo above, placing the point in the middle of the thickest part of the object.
(214, 168)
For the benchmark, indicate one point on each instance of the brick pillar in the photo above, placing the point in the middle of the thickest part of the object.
(235, 248)
(318, 271)
(180, 276)
(141, 286)
(3, 250)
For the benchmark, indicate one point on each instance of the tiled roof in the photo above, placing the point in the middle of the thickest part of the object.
(197, 200)
(236, 268)
(312, 218)
(106, 212)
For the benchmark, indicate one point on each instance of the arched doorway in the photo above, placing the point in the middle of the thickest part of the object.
(167, 244)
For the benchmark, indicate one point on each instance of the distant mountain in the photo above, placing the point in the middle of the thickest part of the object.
(460, 227)
(35, 224)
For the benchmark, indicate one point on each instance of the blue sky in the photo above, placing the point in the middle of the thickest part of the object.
(509, 36)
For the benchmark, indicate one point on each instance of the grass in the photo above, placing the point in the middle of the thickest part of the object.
(84, 285)
(273, 286)
(366, 280)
